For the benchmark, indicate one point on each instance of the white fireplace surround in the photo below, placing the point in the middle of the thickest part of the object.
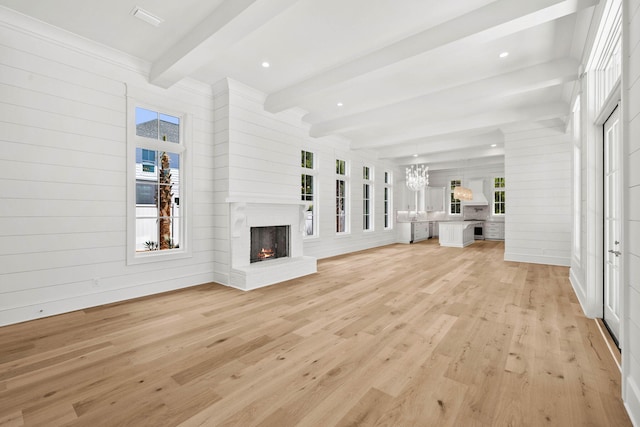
(244, 215)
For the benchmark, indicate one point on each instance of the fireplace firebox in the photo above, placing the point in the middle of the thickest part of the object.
(269, 243)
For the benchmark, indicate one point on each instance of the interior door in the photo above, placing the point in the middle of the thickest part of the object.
(612, 229)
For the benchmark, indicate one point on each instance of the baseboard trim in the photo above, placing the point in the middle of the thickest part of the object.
(538, 259)
(576, 284)
(632, 401)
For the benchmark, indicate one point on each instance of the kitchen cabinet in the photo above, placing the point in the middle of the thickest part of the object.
(435, 199)
(410, 232)
(494, 230)
(420, 231)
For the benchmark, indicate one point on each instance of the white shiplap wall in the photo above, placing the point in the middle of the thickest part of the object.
(258, 159)
(328, 243)
(631, 130)
(220, 184)
(538, 172)
(63, 171)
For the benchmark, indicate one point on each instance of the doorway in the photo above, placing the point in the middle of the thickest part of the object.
(612, 146)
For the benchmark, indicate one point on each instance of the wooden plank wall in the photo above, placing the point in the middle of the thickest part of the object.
(63, 170)
(259, 158)
(538, 165)
(631, 295)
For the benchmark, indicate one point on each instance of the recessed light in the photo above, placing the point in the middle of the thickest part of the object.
(415, 155)
(504, 54)
(339, 104)
(146, 16)
(494, 145)
(265, 64)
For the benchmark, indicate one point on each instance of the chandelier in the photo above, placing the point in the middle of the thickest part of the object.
(417, 177)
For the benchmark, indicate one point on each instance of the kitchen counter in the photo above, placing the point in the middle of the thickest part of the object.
(457, 234)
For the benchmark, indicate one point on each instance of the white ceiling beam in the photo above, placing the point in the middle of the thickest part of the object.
(489, 120)
(440, 145)
(460, 155)
(462, 163)
(517, 82)
(497, 19)
(229, 22)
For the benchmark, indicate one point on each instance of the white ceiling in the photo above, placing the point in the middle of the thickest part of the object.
(415, 76)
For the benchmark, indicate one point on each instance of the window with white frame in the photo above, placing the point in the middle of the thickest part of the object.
(367, 196)
(454, 204)
(499, 201)
(388, 202)
(342, 188)
(156, 170)
(308, 191)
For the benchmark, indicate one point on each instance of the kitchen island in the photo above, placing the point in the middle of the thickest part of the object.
(457, 234)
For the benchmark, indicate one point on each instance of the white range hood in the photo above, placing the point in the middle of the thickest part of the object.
(477, 188)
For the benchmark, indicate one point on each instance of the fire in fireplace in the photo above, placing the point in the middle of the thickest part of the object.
(269, 242)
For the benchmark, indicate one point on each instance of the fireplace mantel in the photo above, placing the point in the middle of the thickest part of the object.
(258, 212)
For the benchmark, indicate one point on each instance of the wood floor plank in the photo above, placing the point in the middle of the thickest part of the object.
(401, 335)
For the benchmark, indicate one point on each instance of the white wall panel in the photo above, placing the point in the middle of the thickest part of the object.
(260, 154)
(44, 138)
(63, 168)
(538, 173)
(631, 127)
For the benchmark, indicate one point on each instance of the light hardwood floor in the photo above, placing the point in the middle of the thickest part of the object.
(403, 335)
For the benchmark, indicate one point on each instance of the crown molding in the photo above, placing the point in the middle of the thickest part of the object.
(19, 22)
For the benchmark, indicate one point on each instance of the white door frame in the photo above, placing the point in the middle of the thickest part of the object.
(612, 315)
(594, 216)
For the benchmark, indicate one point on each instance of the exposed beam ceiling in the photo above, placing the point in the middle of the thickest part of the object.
(495, 20)
(232, 20)
(413, 77)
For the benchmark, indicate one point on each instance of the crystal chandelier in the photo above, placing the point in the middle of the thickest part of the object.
(417, 177)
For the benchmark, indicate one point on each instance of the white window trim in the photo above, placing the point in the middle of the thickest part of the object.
(390, 216)
(316, 208)
(134, 141)
(347, 196)
(493, 200)
(449, 200)
(372, 188)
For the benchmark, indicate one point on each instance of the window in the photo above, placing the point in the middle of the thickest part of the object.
(155, 212)
(498, 196)
(454, 204)
(388, 203)
(308, 191)
(342, 214)
(367, 195)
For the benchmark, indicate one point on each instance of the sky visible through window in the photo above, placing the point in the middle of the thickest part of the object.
(143, 115)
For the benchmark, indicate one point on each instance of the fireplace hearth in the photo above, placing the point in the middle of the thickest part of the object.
(269, 242)
(266, 243)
